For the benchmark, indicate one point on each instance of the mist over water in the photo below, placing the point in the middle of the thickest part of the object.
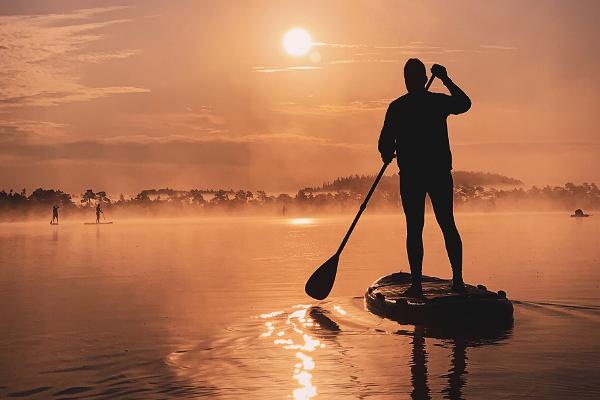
(215, 307)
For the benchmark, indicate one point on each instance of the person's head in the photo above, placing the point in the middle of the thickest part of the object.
(415, 75)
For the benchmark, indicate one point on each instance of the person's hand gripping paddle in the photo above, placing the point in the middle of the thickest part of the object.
(320, 283)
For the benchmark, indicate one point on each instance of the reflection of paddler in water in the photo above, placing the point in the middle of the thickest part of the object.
(418, 368)
(459, 340)
(98, 212)
(54, 220)
(457, 373)
(458, 369)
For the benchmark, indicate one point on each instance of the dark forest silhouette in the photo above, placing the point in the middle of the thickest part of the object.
(360, 183)
(493, 193)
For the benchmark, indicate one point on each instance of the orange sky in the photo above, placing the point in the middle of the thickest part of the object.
(186, 94)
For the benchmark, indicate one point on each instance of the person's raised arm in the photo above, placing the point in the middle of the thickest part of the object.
(458, 102)
(387, 141)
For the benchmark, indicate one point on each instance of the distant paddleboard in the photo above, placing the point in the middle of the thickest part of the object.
(439, 305)
(98, 223)
(53, 223)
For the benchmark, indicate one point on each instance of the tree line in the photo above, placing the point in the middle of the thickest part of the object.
(342, 194)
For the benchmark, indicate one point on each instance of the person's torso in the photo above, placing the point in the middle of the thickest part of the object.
(421, 131)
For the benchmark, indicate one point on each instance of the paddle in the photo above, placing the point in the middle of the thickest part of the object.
(429, 82)
(320, 283)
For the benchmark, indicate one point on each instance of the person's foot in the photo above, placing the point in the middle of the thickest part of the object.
(458, 287)
(415, 291)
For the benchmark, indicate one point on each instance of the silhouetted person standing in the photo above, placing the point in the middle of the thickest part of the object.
(415, 128)
(98, 212)
(54, 214)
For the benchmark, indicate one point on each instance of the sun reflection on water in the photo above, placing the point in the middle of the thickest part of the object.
(298, 322)
(301, 221)
(340, 310)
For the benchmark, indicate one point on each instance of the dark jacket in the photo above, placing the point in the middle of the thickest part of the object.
(415, 128)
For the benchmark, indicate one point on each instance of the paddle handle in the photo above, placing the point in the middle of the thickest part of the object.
(362, 208)
(429, 82)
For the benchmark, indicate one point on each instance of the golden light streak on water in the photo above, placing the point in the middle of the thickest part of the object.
(296, 338)
(340, 310)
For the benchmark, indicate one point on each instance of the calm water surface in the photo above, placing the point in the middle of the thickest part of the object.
(215, 308)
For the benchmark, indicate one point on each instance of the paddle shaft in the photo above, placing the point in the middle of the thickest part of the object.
(429, 82)
(362, 208)
(364, 204)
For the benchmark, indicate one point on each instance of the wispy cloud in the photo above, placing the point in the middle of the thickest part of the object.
(28, 130)
(340, 45)
(68, 94)
(369, 60)
(349, 53)
(197, 122)
(101, 57)
(414, 46)
(497, 47)
(41, 53)
(285, 69)
(565, 145)
(173, 149)
(359, 53)
(333, 109)
(284, 137)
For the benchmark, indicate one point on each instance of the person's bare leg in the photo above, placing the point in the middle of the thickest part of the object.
(441, 195)
(413, 203)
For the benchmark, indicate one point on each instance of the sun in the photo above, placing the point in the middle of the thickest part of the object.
(297, 42)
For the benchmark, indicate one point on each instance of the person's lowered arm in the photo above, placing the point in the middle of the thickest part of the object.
(387, 141)
(458, 101)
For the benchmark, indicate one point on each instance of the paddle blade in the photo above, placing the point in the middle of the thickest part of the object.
(321, 281)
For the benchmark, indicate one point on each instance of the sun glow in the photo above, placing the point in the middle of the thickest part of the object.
(301, 221)
(297, 42)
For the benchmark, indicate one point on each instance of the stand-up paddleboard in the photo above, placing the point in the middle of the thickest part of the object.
(439, 304)
(53, 223)
(98, 223)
